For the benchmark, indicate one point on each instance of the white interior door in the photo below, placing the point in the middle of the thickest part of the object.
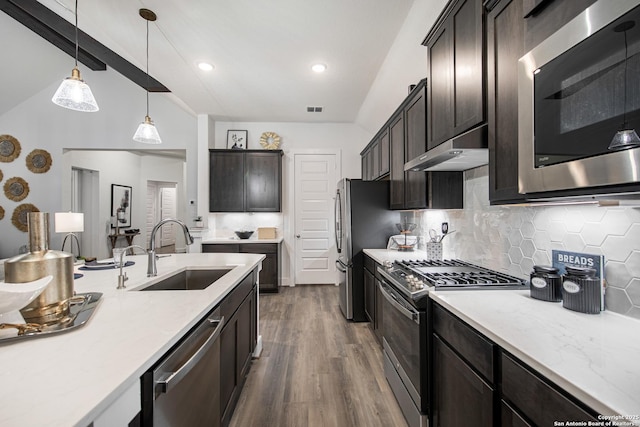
(85, 198)
(315, 177)
(168, 210)
(152, 209)
(162, 200)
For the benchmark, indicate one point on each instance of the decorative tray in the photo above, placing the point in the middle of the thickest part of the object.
(81, 307)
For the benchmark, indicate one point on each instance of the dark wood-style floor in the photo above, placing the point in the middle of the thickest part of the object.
(316, 369)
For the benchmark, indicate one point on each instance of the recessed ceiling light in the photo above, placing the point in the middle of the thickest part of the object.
(205, 66)
(319, 68)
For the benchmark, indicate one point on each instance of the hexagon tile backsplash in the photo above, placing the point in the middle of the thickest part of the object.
(514, 238)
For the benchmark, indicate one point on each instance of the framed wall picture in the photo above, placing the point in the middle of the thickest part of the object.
(237, 139)
(121, 205)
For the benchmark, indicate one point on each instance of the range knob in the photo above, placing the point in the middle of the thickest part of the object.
(412, 281)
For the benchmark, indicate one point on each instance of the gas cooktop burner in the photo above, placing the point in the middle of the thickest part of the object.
(415, 278)
(459, 274)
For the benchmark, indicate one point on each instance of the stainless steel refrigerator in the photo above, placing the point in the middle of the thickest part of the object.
(363, 221)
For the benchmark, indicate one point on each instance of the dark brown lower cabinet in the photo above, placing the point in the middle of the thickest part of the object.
(369, 296)
(270, 273)
(460, 397)
(377, 329)
(237, 342)
(477, 383)
(372, 297)
(510, 418)
(220, 248)
(537, 399)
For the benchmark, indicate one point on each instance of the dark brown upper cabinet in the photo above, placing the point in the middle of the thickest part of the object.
(364, 165)
(544, 17)
(396, 172)
(505, 45)
(383, 143)
(245, 180)
(415, 116)
(375, 157)
(456, 90)
(402, 138)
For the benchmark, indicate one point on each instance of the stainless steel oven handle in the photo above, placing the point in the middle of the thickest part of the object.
(413, 315)
(165, 384)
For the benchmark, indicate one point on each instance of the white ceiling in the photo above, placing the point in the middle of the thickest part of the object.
(262, 51)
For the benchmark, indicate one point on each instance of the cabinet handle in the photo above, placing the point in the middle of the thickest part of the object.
(165, 384)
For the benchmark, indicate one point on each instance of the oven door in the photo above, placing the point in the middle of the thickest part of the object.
(404, 332)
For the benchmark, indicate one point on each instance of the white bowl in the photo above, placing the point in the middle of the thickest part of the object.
(14, 296)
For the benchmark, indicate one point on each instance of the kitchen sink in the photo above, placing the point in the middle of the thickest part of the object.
(189, 280)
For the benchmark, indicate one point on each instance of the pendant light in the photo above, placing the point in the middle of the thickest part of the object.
(626, 137)
(147, 132)
(73, 93)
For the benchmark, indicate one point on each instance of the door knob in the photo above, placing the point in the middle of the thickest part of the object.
(297, 236)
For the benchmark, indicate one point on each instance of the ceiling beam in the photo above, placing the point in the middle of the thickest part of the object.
(61, 33)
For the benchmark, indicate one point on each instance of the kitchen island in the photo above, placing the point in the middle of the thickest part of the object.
(592, 358)
(71, 379)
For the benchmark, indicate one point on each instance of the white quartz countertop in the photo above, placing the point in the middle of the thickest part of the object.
(233, 240)
(70, 378)
(592, 357)
(382, 255)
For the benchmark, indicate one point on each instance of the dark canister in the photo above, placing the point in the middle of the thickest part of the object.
(581, 290)
(545, 283)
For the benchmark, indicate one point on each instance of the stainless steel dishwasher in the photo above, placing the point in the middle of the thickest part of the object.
(183, 389)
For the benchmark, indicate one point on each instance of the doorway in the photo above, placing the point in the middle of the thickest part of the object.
(162, 204)
(85, 198)
(315, 177)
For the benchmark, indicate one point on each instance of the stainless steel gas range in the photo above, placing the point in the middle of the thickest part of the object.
(405, 286)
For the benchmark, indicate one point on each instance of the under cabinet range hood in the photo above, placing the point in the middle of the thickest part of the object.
(465, 151)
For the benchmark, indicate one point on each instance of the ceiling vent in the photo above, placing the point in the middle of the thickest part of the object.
(314, 109)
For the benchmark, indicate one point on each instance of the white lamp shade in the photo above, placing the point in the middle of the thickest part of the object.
(147, 133)
(75, 94)
(69, 222)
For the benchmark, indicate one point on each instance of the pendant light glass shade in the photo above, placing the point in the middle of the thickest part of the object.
(147, 132)
(73, 93)
(627, 138)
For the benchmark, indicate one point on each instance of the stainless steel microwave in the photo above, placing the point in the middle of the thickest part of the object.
(575, 91)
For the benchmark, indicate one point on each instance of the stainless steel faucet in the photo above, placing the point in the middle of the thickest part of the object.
(151, 266)
(123, 277)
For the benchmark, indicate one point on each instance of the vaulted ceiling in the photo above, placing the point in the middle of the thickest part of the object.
(262, 52)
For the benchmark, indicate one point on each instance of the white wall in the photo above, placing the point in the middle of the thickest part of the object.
(133, 170)
(38, 123)
(405, 64)
(347, 137)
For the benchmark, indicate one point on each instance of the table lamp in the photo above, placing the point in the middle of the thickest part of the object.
(70, 223)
